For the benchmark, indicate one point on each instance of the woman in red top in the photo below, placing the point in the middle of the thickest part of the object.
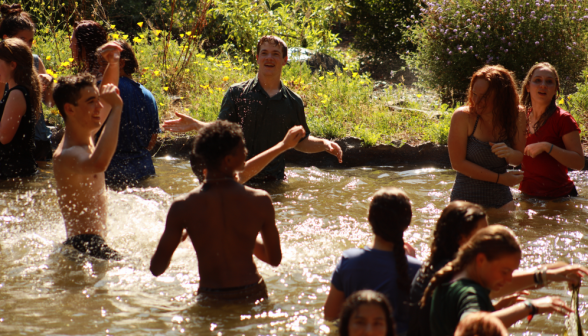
(553, 137)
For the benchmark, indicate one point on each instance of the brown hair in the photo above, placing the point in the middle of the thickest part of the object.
(526, 96)
(89, 36)
(493, 241)
(359, 298)
(127, 54)
(390, 215)
(14, 19)
(25, 74)
(458, 219)
(67, 90)
(275, 41)
(505, 100)
(480, 324)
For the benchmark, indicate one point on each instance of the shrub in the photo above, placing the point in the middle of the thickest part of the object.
(578, 104)
(378, 25)
(455, 38)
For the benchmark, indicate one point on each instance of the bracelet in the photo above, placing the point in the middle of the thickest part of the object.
(529, 305)
(544, 275)
(550, 149)
(497, 178)
(537, 277)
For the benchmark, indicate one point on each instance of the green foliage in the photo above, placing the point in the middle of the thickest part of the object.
(301, 23)
(455, 38)
(578, 104)
(378, 25)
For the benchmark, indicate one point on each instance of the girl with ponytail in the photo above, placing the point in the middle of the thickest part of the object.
(484, 264)
(18, 109)
(384, 267)
(553, 137)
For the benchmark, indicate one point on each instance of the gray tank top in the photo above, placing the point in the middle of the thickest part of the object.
(487, 194)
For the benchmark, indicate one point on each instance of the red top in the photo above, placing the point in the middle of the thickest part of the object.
(544, 175)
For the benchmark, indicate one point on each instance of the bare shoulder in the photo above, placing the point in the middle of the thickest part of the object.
(462, 112)
(258, 194)
(16, 94)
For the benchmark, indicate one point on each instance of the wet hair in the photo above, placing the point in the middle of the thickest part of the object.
(67, 90)
(503, 89)
(494, 241)
(480, 324)
(275, 41)
(215, 141)
(364, 297)
(389, 215)
(25, 73)
(127, 54)
(459, 219)
(14, 19)
(89, 35)
(526, 96)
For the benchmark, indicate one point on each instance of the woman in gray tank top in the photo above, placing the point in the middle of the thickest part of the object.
(486, 136)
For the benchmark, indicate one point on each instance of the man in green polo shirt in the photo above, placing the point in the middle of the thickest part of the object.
(266, 109)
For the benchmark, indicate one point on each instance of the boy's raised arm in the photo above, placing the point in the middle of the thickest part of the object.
(171, 238)
(111, 52)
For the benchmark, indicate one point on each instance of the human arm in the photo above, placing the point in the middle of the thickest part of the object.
(254, 165)
(183, 124)
(571, 156)
(47, 89)
(41, 70)
(315, 145)
(111, 53)
(334, 303)
(152, 142)
(169, 241)
(457, 146)
(514, 313)
(267, 249)
(514, 155)
(14, 110)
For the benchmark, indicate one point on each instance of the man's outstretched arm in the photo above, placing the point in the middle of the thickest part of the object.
(316, 145)
(171, 238)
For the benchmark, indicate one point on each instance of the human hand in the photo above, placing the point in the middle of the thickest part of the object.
(551, 304)
(510, 300)
(45, 80)
(111, 95)
(571, 273)
(501, 149)
(409, 250)
(183, 124)
(535, 149)
(334, 149)
(293, 136)
(511, 178)
(110, 52)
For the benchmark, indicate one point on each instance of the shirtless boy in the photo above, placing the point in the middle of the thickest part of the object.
(79, 164)
(223, 218)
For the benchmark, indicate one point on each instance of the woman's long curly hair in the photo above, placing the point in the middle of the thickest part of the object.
(25, 74)
(526, 95)
(505, 100)
(493, 241)
(363, 297)
(14, 19)
(89, 36)
(459, 219)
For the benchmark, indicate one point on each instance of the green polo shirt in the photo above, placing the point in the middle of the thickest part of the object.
(454, 300)
(265, 121)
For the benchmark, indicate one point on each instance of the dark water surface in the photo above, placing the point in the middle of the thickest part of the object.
(320, 213)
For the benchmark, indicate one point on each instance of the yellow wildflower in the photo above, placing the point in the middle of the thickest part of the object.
(115, 36)
(125, 36)
(321, 77)
(246, 50)
(48, 58)
(157, 32)
(70, 59)
(112, 26)
(189, 33)
(181, 35)
(142, 36)
(140, 24)
(165, 88)
(419, 95)
(156, 73)
(226, 78)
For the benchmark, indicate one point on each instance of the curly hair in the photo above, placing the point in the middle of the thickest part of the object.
(89, 36)
(67, 90)
(493, 241)
(14, 19)
(25, 73)
(526, 95)
(503, 89)
(480, 323)
(364, 297)
(215, 141)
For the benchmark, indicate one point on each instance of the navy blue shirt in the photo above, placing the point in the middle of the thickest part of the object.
(138, 122)
(376, 270)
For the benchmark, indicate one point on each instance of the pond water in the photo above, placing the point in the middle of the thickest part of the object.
(320, 213)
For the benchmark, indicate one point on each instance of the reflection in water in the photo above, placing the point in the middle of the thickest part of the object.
(320, 213)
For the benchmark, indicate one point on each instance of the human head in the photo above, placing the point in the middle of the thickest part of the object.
(390, 215)
(367, 308)
(18, 65)
(494, 90)
(86, 38)
(128, 62)
(272, 55)
(69, 91)
(221, 145)
(485, 250)
(480, 324)
(16, 23)
(542, 77)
